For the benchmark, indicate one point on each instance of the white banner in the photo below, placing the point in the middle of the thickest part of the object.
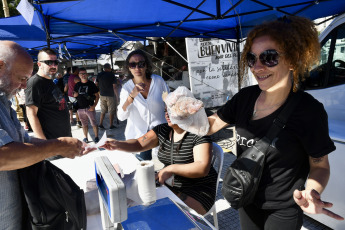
(26, 10)
(213, 69)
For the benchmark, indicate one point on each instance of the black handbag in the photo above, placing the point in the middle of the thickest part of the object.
(242, 178)
(52, 200)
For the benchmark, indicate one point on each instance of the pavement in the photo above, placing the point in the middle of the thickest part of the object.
(227, 217)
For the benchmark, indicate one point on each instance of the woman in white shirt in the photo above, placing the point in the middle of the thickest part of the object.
(141, 100)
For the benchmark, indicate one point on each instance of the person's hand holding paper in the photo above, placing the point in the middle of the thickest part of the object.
(90, 148)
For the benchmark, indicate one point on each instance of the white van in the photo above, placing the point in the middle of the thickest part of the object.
(327, 84)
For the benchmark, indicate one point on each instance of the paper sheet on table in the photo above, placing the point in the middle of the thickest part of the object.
(82, 169)
(100, 143)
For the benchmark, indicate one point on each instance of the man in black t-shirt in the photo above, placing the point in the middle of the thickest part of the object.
(87, 96)
(107, 84)
(46, 107)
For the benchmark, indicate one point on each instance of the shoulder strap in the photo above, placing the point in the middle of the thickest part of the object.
(283, 116)
(172, 147)
(279, 122)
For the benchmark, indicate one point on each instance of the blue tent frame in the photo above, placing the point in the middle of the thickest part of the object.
(106, 24)
(102, 26)
(33, 38)
(168, 19)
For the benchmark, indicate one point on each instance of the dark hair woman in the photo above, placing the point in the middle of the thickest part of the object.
(141, 98)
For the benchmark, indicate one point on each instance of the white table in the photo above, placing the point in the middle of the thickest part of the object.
(82, 169)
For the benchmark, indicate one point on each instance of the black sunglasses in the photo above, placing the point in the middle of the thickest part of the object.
(50, 62)
(268, 58)
(140, 64)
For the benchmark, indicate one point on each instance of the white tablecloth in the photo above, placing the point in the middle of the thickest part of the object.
(82, 169)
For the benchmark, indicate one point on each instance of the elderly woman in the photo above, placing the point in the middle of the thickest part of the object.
(186, 156)
(141, 98)
(296, 166)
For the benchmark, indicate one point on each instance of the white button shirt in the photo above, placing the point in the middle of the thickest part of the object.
(143, 114)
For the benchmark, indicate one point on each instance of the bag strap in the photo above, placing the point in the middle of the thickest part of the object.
(278, 123)
(172, 147)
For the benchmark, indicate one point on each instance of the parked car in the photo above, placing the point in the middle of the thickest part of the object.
(327, 84)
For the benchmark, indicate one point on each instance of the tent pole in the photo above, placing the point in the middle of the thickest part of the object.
(238, 58)
(218, 9)
(97, 64)
(46, 29)
(185, 18)
(5, 8)
(111, 58)
(48, 42)
(176, 51)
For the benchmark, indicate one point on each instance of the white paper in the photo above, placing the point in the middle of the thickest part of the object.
(26, 10)
(100, 143)
(86, 165)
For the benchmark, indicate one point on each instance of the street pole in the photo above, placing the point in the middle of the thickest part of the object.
(111, 58)
(5, 7)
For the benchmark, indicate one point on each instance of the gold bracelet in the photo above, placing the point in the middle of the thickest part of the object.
(131, 96)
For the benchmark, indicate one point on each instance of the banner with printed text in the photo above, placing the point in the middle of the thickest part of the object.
(213, 69)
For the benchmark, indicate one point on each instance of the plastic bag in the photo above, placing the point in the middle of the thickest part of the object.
(186, 111)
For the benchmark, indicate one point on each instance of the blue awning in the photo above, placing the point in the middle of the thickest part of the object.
(99, 26)
(137, 19)
(34, 38)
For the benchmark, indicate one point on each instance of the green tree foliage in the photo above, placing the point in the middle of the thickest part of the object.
(12, 4)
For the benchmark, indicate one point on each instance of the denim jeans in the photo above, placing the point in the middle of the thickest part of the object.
(146, 156)
(10, 201)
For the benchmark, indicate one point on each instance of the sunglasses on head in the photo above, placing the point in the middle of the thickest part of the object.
(268, 58)
(140, 64)
(50, 62)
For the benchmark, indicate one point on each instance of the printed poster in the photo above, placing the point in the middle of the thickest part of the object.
(213, 69)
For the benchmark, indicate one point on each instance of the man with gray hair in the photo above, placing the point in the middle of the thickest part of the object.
(46, 106)
(17, 149)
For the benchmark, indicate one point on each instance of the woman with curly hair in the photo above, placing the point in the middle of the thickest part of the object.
(296, 170)
(141, 98)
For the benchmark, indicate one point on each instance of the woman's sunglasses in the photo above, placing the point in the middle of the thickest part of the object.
(50, 62)
(268, 58)
(140, 64)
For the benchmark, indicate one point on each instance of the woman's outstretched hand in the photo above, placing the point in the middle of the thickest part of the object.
(110, 144)
(310, 202)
